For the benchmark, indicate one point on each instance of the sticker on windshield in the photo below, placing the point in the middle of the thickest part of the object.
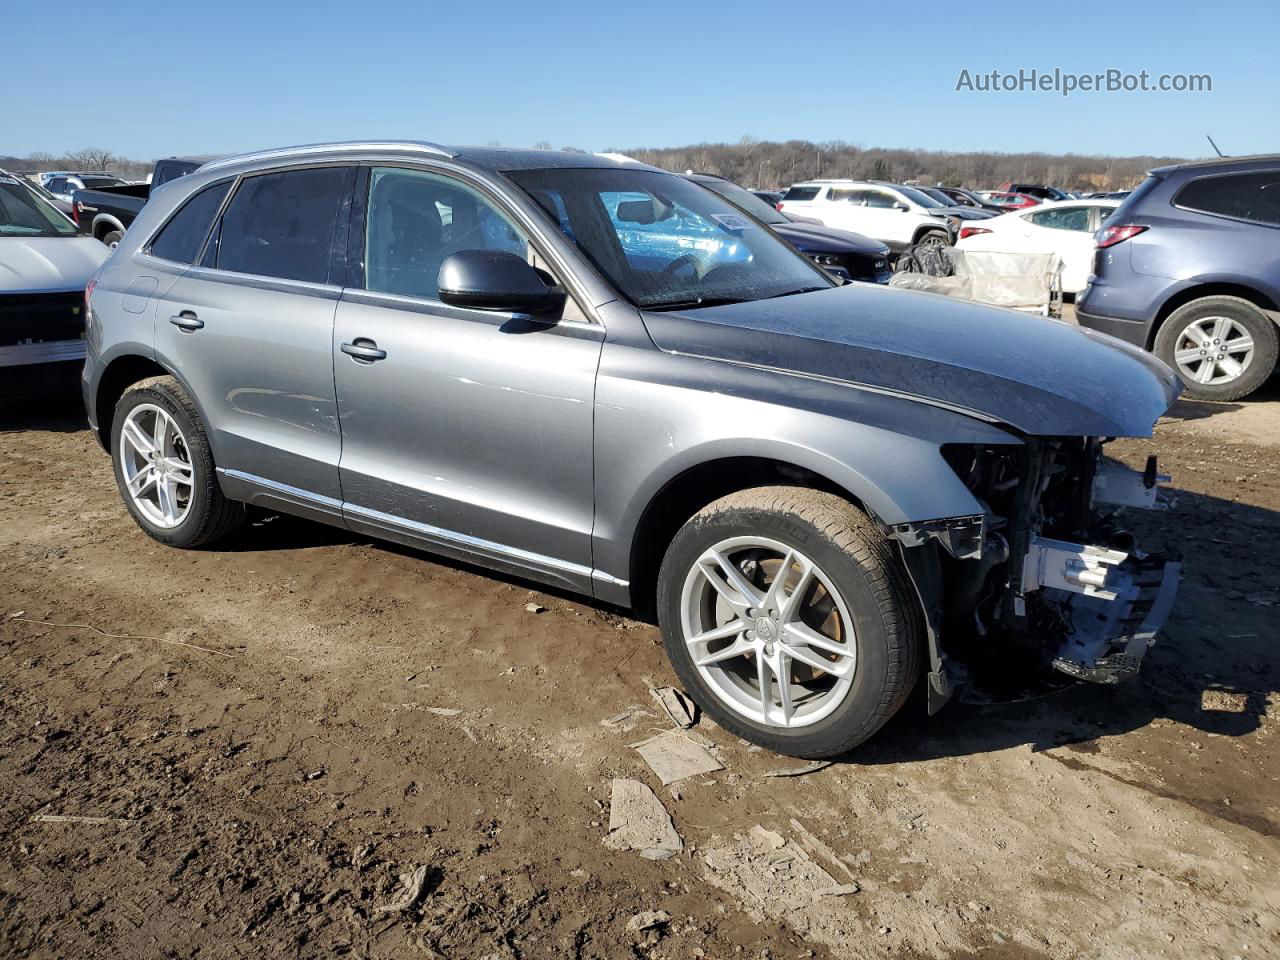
(8, 180)
(731, 222)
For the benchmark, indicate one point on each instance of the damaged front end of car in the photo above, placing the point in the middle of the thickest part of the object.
(1046, 580)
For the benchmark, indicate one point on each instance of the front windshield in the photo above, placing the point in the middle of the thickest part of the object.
(744, 198)
(23, 213)
(920, 197)
(938, 195)
(665, 242)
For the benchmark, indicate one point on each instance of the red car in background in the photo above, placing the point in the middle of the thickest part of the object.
(1009, 201)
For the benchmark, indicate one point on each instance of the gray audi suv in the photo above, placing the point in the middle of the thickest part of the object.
(599, 375)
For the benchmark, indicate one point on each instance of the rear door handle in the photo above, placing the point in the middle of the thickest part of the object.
(365, 351)
(187, 320)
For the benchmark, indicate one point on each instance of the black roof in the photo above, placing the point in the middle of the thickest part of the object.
(1216, 163)
(504, 159)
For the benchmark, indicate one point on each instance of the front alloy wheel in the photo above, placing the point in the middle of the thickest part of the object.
(768, 632)
(790, 619)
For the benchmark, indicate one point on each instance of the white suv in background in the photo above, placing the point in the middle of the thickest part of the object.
(887, 213)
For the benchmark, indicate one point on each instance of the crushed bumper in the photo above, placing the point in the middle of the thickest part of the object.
(1110, 636)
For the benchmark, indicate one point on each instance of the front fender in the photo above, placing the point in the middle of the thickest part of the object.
(670, 414)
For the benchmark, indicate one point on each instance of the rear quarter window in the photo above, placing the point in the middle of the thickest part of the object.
(800, 193)
(1253, 196)
(180, 239)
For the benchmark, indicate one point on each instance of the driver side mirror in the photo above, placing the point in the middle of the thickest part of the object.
(901, 207)
(497, 280)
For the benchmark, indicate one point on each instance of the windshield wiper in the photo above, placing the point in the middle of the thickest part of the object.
(697, 302)
(792, 293)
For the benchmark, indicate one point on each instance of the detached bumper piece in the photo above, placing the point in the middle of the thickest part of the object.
(1114, 604)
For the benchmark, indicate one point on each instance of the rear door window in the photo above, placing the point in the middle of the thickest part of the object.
(282, 224)
(182, 237)
(1242, 196)
(801, 193)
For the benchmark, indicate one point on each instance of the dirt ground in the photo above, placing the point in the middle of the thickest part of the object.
(267, 730)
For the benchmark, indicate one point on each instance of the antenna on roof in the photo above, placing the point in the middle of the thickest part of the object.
(1214, 145)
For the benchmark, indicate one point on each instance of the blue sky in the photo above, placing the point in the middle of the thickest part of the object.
(150, 79)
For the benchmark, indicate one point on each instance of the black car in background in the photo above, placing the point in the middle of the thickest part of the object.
(1037, 190)
(842, 253)
(106, 212)
(960, 197)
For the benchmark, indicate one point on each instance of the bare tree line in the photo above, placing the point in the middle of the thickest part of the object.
(767, 164)
(87, 160)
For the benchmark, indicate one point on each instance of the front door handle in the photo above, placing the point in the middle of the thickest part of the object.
(363, 350)
(187, 320)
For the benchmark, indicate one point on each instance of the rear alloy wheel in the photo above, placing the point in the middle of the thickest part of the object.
(789, 619)
(156, 465)
(164, 467)
(1223, 348)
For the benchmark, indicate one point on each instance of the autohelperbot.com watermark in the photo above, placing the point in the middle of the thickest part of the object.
(1066, 83)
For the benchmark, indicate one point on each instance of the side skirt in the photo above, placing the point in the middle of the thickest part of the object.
(260, 492)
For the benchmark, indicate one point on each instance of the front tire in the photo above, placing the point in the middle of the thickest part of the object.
(113, 239)
(1223, 348)
(790, 620)
(164, 467)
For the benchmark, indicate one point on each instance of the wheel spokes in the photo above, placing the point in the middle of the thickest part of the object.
(837, 668)
(729, 581)
(739, 648)
(141, 481)
(137, 439)
(160, 433)
(1241, 344)
(166, 499)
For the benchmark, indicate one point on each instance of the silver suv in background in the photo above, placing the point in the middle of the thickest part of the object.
(602, 376)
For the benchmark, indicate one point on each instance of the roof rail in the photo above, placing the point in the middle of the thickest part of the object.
(308, 149)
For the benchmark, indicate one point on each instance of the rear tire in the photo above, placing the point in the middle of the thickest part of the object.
(1188, 335)
(113, 239)
(875, 659)
(195, 513)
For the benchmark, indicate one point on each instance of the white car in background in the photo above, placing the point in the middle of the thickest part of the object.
(888, 213)
(1064, 227)
(45, 263)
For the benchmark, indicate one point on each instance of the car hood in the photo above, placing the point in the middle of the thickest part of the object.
(38, 264)
(1040, 376)
(815, 238)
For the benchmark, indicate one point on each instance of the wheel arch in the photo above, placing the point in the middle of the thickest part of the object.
(695, 487)
(121, 373)
(104, 224)
(928, 228)
(1203, 289)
